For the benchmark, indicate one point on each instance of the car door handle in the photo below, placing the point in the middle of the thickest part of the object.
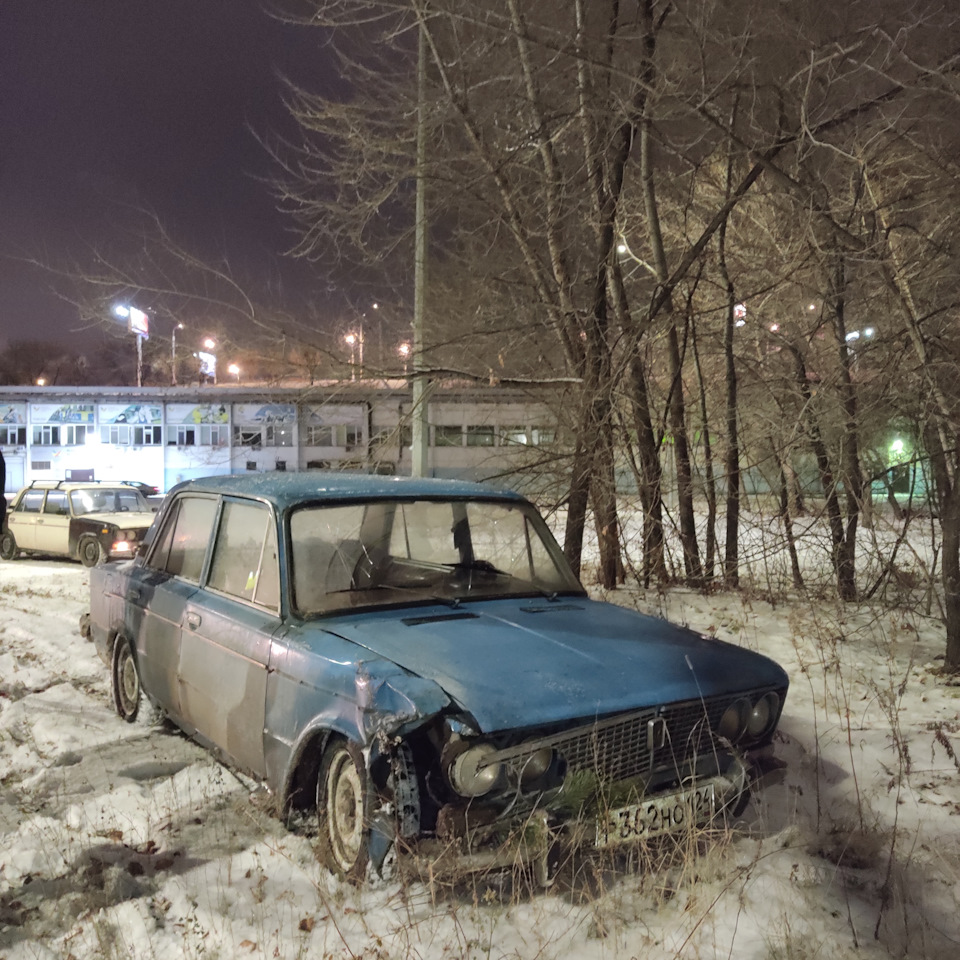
(193, 620)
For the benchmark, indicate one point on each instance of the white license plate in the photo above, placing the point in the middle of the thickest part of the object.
(666, 814)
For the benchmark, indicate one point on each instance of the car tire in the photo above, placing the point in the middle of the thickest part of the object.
(91, 552)
(128, 696)
(8, 546)
(343, 811)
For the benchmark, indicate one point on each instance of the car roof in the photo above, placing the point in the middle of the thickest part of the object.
(286, 489)
(69, 485)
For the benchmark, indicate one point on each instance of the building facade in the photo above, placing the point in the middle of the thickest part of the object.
(162, 435)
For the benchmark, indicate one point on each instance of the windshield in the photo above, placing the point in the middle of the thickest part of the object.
(420, 551)
(107, 500)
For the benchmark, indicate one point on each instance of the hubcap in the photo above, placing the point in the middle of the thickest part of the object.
(345, 810)
(129, 684)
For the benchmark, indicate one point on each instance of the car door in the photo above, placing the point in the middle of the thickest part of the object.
(159, 591)
(227, 631)
(53, 524)
(23, 519)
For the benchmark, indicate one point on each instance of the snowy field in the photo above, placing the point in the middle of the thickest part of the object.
(117, 842)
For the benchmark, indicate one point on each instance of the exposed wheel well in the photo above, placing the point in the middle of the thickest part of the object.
(301, 792)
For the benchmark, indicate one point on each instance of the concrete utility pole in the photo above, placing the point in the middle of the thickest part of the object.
(421, 384)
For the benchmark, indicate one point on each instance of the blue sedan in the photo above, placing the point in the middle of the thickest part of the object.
(414, 662)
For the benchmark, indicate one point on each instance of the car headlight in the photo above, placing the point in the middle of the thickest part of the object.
(536, 765)
(468, 777)
(762, 715)
(734, 720)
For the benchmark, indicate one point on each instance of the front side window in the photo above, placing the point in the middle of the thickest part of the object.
(56, 503)
(401, 552)
(107, 500)
(182, 544)
(245, 554)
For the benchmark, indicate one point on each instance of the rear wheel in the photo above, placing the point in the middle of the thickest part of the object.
(91, 552)
(8, 546)
(343, 807)
(128, 696)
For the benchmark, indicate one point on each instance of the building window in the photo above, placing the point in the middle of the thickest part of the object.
(246, 437)
(354, 437)
(40, 464)
(511, 436)
(543, 436)
(47, 435)
(480, 436)
(13, 436)
(448, 436)
(116, 433)
(147, 436)
(318, 436)
(251, 464)
(278, 436)
(213, 435)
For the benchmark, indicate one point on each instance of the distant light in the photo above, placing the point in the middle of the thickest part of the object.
(774, 327)
(209, 343)
(121, 310)
(41, 382)
(898, 449)
(376, 306)
(404, 349)
(868, 331)
(351, 338)
(740, 323)
(853, 335)
(812, 307)
(740, 310)
(621, 248)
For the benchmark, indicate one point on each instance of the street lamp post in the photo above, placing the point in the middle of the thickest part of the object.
(173, 353)
(356, 350)
(235, 370)
(210, 359)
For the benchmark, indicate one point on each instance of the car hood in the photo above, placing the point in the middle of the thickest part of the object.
(123, 521)
(519, 663)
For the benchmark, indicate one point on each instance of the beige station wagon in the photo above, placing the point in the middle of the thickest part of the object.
(89, 522)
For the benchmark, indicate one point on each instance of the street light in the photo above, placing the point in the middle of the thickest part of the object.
(356, 349)
(235, 370)
(173, 353)
(208, 360)
(404, 351)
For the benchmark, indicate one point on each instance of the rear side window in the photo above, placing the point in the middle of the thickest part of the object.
(31, 503)
(182, 544)
(245, 554)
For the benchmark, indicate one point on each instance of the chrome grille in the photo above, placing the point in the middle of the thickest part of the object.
(625, 746)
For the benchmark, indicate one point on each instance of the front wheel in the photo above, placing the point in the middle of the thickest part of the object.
(8, 546)
(343, 807)
(128, 696)
(91, 552)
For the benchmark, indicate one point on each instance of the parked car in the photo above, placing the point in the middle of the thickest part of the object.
(89, 522)
(415, 661)
(146, 489)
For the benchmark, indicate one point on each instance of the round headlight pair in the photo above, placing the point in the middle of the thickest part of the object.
(470, 776)
(742, 718)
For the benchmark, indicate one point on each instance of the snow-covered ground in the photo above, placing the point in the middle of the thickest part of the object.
(117, 842)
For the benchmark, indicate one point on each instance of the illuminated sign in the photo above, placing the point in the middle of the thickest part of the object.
(139, 323)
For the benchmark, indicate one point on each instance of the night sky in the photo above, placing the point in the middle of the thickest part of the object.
(111, 105)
